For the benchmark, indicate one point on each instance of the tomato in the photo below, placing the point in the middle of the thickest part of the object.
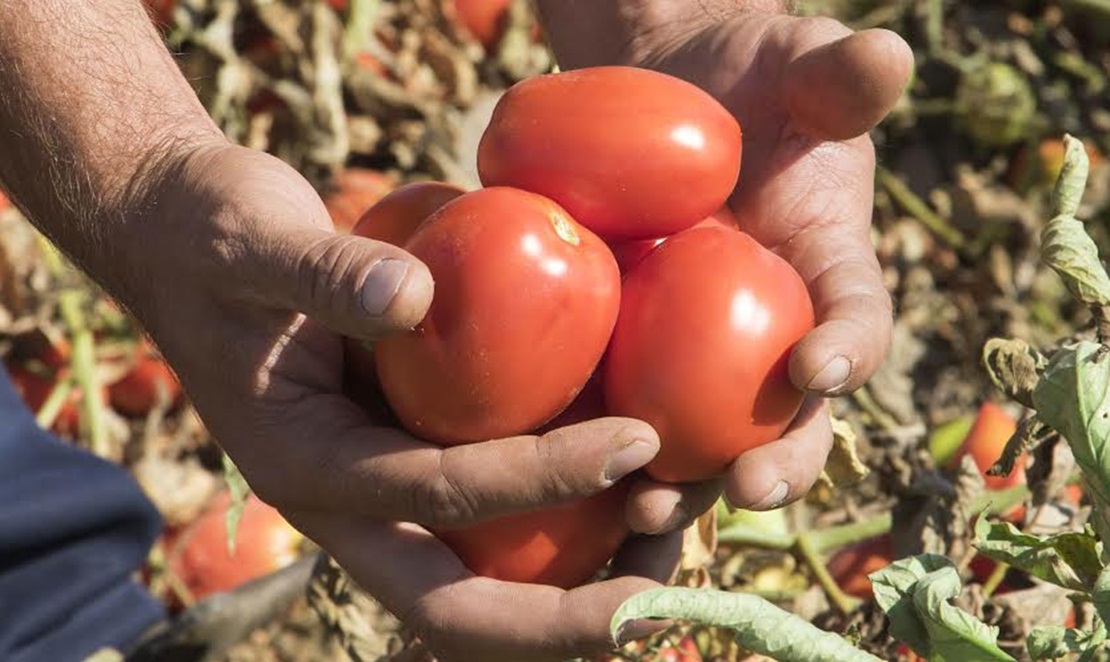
(686, 650)
(985, 442)
(264, 543)
(707, 323)
(161, 11)
(562, 546)
(850, 566)
(355, 190)
(4, 202)
(484, 19)
(396, 217)
(140, 390)
(524, 304)
(629, 253)
(35, 380)
(630, 153)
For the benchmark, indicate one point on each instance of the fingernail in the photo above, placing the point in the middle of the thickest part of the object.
(638, 629)
(630, 458)
(382, 284)
(678, 516)
(774, 498)
(833, 376)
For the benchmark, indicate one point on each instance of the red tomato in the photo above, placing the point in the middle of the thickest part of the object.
(34, 380)
(161, 11)
(138, 392)
(707, 322)
(850, 566)
(264, 543)
(525, 301)
(485, 19)
(630, 253)
(630, 153)
(395, 217)
(355, 190)
(686, 650)
(562, 546)
(985, 442)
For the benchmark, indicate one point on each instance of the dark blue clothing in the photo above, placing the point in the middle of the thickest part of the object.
(73, 530)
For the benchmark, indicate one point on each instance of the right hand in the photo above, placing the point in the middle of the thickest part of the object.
(234, 270)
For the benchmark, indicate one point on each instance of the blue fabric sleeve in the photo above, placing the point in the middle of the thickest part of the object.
(74, 529)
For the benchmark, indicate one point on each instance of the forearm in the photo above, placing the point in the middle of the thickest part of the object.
(89, 101)
(590, 32)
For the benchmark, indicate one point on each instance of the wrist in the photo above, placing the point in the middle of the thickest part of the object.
(633, 32)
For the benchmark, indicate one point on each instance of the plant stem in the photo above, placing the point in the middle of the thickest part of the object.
(917, 208)
(52, 406)
(84, 371)
(995, 579)
(806, 550)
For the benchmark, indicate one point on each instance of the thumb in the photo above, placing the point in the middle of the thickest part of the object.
(356, 286)
(841, 86)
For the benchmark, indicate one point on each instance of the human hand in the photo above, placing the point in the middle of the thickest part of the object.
(806, 91)
(237, 276)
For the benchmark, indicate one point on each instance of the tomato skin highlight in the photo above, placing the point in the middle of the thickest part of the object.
(561, 546)
(630, 153)
(700, 349)
(524, 305)
(395, 218)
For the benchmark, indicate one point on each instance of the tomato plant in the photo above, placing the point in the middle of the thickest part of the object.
(36, 377)
(139, 391)
(707, 322)
(264, 542)
(395, 217)
(525, 301)
(353, 192)
(630, 153)
(850, 566)
(561, 546)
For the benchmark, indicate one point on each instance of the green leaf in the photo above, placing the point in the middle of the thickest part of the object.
(760, 626)
(946, 439)
(1065, 244)
(1073, 397)
(1069, 559)
(1048, 642)
(915, 592)
(1100, 595)
(239, 489)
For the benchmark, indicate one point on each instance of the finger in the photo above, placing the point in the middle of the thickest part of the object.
(356, 286)
(463, 617)
(777, 473)
(329, 458)
(656, 508)
(853, 309)
(653, 557)
(838, 87)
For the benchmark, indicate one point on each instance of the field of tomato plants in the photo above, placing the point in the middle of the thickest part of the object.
(965, 507)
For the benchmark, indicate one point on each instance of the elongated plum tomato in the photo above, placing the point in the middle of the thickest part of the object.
(395, 218)
(561, 546)
(700, 350)
(630, 153)
(985, 442)
(524, 304)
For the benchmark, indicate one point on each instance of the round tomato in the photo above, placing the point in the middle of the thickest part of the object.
(395, 217)
(264, 543)
(484, 19)
(141, 389)
(630, 153)
(525, 301)
(700, 350)
(353, 192)
(630, 253)
(562, 546)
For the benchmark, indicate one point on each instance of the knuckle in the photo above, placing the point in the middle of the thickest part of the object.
(323, 266)
(559, 480)
(443, 500)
